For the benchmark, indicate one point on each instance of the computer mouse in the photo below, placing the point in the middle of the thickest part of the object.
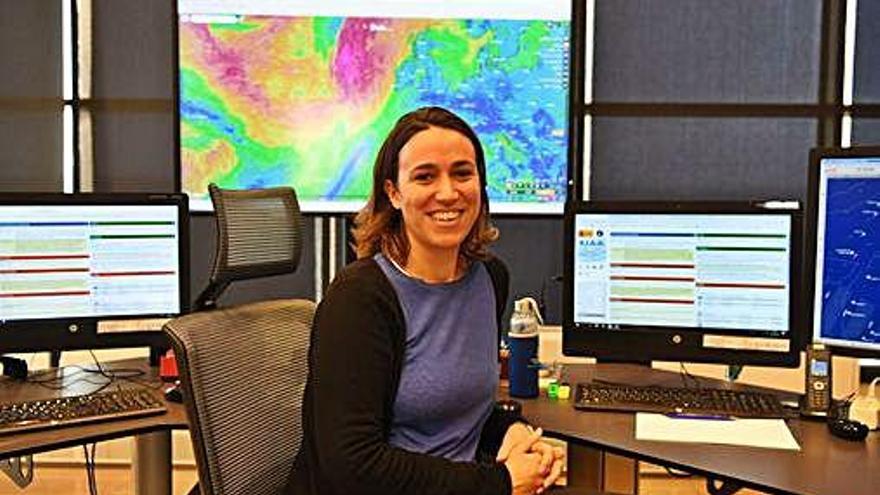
(173, 393)
(848, 429)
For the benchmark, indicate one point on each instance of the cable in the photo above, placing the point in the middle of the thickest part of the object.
(91, 474)
(132, 375)
(685, 374)
(52, 379)
(840, 408)
(98, 364)
(61, 382)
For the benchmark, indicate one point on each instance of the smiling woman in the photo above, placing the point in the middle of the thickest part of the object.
(438, 195)
(431, 161)
(404, 356)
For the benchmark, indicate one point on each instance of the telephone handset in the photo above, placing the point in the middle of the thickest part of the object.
(817, 399)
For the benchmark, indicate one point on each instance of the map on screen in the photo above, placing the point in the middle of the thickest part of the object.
(304, 95)
(850, 276)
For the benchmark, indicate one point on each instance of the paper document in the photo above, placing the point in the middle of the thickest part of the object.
(765, 433)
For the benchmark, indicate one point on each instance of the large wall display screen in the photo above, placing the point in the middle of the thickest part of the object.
(302, 93)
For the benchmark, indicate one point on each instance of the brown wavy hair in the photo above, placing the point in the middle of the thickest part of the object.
(379, 226)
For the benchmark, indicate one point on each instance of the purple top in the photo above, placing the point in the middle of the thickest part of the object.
(450, 369)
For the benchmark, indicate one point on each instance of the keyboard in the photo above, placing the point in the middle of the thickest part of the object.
(671, 400)
(63, 411)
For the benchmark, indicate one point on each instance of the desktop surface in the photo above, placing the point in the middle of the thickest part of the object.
(43, 440)
(824, 465)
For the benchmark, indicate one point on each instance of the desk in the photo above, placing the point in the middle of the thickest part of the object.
(825, 465)
(152, 458)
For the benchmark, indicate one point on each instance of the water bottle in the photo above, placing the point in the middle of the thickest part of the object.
(523, 341)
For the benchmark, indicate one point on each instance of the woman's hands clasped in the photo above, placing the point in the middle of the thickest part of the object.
(534, 464)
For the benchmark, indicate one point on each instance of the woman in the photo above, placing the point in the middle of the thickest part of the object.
(400, 397)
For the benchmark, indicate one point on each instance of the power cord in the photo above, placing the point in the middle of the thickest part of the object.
(89, 451)
(132, 375)
(840, 408)
(52, 380)
(686, 375)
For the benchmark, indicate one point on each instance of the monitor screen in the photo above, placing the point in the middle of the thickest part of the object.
(705, 282)
(845, 230)
(302, 93)
(89, 267)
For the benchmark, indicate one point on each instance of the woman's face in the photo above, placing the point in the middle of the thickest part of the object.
(437, 190)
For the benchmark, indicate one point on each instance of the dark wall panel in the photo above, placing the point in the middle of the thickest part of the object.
(744, 51)
(700, 158)
(134, 151)
(30, 150)
(30, 96)
(532, 250)
(133, 48)
(30, 58)
(866, 132)
(133, 81)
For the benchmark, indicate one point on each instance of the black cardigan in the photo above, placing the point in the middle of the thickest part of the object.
(356, 356)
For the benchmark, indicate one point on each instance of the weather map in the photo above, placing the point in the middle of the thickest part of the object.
(305, 101)
(851, 277)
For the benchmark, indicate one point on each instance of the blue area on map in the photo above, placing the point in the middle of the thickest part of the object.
(851, 273)
(195, 112)
(520, 114)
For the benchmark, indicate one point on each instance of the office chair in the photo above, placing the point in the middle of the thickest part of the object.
(259, 234)
(243, 371)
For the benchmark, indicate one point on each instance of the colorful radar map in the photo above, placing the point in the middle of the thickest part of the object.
(306, 101)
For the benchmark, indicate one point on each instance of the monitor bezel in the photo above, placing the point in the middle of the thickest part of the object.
(641, 343)
(55, 334)
(811, 244)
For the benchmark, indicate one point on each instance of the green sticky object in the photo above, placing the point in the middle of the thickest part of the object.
(553, 390)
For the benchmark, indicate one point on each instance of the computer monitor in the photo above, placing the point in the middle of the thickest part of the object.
(844, 250)
(85, 271)
(714, 282)
(303, 92)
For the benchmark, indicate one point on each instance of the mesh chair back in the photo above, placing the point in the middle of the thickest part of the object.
(259, 233)
(243, 372)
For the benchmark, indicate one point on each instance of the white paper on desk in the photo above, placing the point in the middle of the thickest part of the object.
(764, 433)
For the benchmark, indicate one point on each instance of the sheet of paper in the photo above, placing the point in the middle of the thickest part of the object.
(765, 433)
